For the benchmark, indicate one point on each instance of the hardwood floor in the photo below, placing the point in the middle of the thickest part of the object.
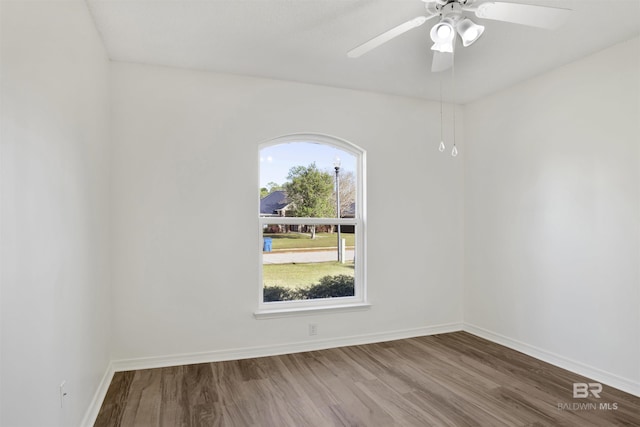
(454, 379)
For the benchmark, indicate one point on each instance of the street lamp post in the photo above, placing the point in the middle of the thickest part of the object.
(336, 165)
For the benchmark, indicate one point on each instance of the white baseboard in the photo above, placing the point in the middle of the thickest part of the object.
(278, 349)
(98, 397)
(580, 368)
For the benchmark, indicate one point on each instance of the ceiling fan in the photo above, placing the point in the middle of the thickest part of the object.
(452, 20)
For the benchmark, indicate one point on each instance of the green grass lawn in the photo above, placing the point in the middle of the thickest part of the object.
(304, 241)
(301, 275)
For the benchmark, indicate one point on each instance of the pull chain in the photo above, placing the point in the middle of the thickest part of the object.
(454, 151)
(441, 147)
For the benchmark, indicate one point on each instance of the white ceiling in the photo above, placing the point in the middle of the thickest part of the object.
(307, 41)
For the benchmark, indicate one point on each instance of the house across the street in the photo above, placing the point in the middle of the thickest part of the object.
(275, 203)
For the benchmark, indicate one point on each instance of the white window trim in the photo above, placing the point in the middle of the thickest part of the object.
(304, 307)
(308, 311)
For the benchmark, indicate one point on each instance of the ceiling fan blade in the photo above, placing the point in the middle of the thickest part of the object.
(441, 61)
(388, 35)
(525, 14)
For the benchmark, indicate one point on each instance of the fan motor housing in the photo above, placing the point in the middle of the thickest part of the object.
(446, 2)
(452, 11)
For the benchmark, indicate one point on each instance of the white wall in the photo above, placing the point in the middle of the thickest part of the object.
(54, 212)
(552, 215)
(185, 210)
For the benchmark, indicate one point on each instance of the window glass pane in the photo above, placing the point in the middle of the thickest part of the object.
(299, 179)
(304, 262)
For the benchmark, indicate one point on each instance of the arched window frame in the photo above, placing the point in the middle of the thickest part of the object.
(359, 300)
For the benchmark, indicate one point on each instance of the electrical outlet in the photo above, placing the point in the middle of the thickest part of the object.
(313, 329)
(63, 392)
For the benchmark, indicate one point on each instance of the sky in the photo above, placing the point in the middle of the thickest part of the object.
(276, 160)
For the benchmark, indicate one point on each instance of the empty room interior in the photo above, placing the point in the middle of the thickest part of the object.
(480, 165)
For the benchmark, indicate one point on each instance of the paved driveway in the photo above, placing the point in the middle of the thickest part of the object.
(300, 257)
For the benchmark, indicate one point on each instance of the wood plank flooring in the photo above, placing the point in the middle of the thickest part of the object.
(454, 379)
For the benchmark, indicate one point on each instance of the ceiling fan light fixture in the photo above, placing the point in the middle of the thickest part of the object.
(442, 32)
(469, 31)
(443, 35)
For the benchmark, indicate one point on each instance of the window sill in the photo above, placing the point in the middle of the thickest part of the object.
(308, 311)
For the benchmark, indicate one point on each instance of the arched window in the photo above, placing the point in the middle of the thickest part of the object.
(312, 224)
